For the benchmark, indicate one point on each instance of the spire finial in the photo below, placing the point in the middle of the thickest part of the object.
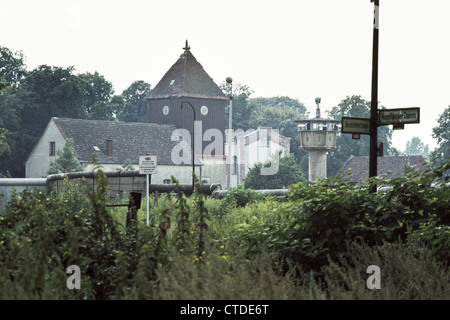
(187, 47)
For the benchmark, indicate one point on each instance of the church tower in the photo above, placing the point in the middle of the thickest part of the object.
(188, 83)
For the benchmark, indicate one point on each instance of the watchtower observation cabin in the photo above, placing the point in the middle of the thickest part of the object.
(317, 136)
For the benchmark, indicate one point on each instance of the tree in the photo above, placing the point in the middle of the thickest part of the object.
(49, 92)
(13, 137)
(354, 106)
(242, 110)
(135, 104)
(66, 160)
(278, 113)
(3, 85)
(442, 134)
(12, 66)
(415, 147)
(98, 93)
(288, 173)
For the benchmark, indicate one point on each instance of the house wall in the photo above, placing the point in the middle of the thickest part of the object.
(39, 160)
(214, 170)
(252, 148)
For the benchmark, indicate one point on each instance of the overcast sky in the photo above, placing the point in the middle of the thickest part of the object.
(299, 48)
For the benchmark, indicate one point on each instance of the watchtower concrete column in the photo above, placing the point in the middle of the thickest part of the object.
(317, 164)
(317, 136)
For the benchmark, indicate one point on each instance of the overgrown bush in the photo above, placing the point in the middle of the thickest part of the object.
(239, 197)
(314, 243)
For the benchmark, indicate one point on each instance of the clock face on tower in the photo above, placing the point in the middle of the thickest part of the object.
(166, 110)
(204, 110)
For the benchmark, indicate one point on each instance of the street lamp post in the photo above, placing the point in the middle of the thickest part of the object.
(230, 125)
(192, 143)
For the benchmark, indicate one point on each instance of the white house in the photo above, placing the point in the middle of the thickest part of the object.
(252, 147)
(113, 143)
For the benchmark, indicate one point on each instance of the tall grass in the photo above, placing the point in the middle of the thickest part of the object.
(302, 247)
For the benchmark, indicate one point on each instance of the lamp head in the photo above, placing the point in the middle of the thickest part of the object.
(229, 80)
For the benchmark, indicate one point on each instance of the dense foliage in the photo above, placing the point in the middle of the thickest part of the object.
(287, 172)
(313, 243)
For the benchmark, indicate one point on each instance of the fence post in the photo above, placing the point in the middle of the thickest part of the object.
(134, 205)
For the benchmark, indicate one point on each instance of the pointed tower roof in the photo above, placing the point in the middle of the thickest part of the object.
(187, 78)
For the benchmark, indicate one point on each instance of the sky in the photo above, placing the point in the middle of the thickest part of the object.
(298, 48)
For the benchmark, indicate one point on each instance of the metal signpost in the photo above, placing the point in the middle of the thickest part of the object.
(147, 166)
(396, 117)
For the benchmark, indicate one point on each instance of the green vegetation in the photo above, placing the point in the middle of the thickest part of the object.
(314, 243)
(288, 172)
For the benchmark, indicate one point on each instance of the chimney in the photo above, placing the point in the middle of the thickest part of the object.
(109, 149)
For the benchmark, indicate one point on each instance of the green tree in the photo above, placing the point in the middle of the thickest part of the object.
(3, 85)
(98, 93)
(14, 137)
(442, 134)
(354, 106)
(49, 92)
(12, 66)
(278, 113)
(135, 104)
(242, 110)
(66, 160)
(288, 173)
(415, 147)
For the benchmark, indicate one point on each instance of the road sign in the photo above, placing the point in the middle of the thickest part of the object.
(397, 116)
(147, 164)
(355, 125)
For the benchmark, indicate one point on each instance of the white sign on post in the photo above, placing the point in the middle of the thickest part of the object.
(147, 166)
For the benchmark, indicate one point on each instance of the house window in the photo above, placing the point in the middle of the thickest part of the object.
(167, 181)
(52, 148)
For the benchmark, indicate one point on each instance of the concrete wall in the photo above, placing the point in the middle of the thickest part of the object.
(182, 172)
(7, 187)
(39, 160)
(126, 181)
